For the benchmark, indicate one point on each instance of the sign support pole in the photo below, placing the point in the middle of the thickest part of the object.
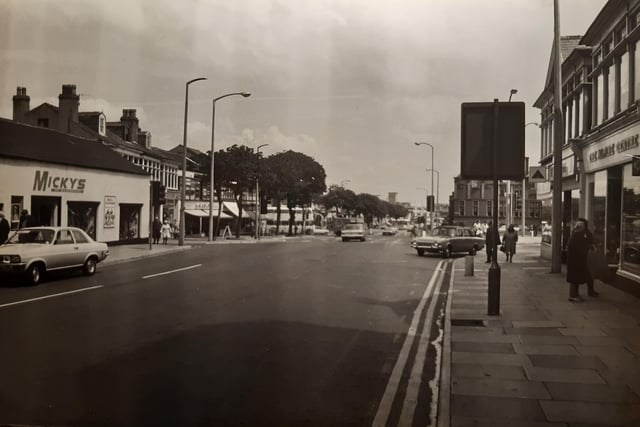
(493, 300)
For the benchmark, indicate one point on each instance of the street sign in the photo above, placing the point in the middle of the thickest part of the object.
(536, 174)
(478, 139)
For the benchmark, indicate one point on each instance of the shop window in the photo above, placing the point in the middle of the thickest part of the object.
(630, 247)
(129, 221)
(84, 216)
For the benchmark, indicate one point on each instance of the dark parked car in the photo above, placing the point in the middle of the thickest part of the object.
(447, 240)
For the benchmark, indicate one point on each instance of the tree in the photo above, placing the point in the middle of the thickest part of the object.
(299, 180)
(340, 198)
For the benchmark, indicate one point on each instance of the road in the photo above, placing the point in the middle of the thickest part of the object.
(312, 331)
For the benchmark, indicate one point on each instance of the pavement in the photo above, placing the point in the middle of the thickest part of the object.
(544, 361)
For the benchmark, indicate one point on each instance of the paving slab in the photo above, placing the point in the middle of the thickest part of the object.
(537, 324)
(545, 349)
(481, 337)
(576, 376)
(546, 339)
(582, 332)
(605, 341)
(482, 347)
(591, 412)
(518, 410)
(491, 358)
(488, 371)
(532, 331)
(567, 362)
(610, 393)
(499, 388)
(500, 422)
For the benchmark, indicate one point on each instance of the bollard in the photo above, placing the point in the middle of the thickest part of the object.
(468, 265)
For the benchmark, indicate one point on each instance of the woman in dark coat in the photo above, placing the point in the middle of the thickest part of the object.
(577, 250)
(509, 241)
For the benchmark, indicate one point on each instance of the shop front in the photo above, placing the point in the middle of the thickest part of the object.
(110, 206)
(613, 198)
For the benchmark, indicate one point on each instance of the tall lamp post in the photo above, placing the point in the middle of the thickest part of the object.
(183, 194)
(211, 170)
(258, 190)
(435, 205)
(425, 216)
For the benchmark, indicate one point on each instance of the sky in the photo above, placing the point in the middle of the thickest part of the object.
(351, 83)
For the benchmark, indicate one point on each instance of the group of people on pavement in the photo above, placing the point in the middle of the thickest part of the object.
(26, 220)
(161, 229)
(507, 244)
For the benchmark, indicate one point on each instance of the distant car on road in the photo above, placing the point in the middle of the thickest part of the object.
(33, 251)
(354, 231)
(447, 240)
(388, 230)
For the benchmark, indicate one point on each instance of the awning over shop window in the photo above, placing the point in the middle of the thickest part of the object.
(232, 209)
(203, 213)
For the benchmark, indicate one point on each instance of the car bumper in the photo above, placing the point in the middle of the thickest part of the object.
(12, 268)
(427, 248)
(353, 236)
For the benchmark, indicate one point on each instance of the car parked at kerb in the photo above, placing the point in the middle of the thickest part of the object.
(447, 240)
(32, 252)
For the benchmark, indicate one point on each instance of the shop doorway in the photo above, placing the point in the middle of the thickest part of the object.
(46, 210)
(129, 221)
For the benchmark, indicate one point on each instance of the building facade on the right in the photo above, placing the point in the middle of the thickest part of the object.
(601, 100)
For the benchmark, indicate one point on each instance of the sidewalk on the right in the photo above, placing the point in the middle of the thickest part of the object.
(544, 360)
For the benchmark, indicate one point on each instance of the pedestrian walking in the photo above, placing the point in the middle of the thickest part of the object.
(490, 239)
(509, 241)
(577, 250)
(4, 228)
(157, 226)
(166, 232)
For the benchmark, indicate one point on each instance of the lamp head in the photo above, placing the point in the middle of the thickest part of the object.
(245, 94)
(514, 91)
(416, 143)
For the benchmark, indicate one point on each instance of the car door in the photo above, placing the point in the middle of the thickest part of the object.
(83, 244)
(64, 251)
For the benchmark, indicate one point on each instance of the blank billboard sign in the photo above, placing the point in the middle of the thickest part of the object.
(477, 140)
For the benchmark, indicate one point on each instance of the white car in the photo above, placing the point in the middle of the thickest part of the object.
(389, 230)
(33, 251)
(354, 231)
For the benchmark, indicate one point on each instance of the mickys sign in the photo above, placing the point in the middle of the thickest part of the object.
(45, 181)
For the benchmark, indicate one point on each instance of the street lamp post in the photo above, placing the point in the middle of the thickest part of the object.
(437, 187)
(258, 190)
(183, 194)
(211, 170)
(425, 217)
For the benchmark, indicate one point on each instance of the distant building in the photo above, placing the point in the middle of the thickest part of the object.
(472, 201)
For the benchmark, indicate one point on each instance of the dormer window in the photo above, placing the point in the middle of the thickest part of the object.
(102, 125)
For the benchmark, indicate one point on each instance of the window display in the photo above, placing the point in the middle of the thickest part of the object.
(129, 221)
(630, 257)
(83, 215)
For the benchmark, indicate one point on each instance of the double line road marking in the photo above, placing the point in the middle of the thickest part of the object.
(415, 380)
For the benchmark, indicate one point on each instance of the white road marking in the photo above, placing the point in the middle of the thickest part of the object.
(415, 380)
(172, 271)
(535, 268)
(50, 296)
(384, 409)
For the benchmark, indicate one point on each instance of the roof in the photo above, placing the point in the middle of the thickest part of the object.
(604, 19)
(22, 141)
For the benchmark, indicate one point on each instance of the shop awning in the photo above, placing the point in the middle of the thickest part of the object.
(232, 208)
(203, 213)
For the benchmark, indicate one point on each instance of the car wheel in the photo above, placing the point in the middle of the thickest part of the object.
(420, 252)
(89, 267)
(344, 239)
(446, 252)
(473, 250)
(34, 274)
(362, 239)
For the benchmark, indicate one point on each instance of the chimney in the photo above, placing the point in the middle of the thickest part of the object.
(68, 103)
(130, 122)
(20, 105)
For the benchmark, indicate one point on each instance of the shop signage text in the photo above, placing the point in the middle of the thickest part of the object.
(628, 143)
(43, 181)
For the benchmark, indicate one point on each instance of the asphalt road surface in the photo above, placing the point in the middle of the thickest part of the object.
(308, 332)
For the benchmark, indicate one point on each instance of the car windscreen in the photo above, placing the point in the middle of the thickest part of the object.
(32, 236)
(353, 227)
(444, 232)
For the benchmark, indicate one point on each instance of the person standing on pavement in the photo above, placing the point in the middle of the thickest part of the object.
(577, 250)
(491, 237)
(157, 226)
(27, 220)
(4, 228)
(509, 241)
(166, 232)
(592, 247)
